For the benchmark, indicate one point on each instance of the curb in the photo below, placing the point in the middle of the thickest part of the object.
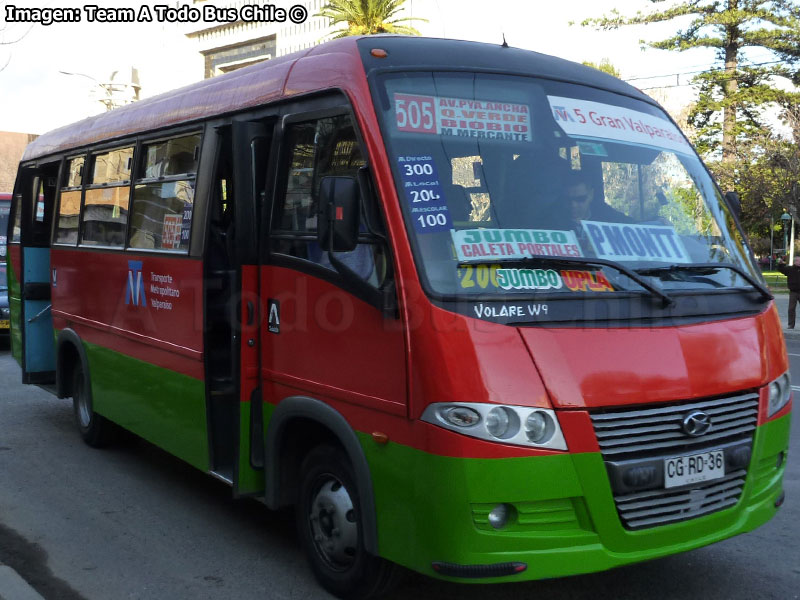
(14, 587)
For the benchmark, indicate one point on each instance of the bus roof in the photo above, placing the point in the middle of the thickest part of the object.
(277, 78)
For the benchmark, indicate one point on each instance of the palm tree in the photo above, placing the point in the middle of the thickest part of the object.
(366, 17)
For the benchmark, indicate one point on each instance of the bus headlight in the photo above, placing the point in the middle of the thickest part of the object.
(462, 416)
(539, 427)
(780, 391)
(517, 425)
(502, 422)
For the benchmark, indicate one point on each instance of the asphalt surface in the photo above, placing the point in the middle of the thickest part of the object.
(133, 522)
(782, 302)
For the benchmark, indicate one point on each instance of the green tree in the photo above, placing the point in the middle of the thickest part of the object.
(367, 17)
(737, 90)
(767, 177)
(605, 66)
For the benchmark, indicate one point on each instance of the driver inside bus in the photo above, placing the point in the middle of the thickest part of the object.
(581, 202)
(584, 204)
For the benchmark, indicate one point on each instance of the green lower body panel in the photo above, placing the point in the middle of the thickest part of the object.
(249, 479)
(162, 406)
(15, 335)
(564, 520)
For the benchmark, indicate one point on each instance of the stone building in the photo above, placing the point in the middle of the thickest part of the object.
(226, 46)
(12, 145)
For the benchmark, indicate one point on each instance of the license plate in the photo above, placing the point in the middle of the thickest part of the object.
(4, 324)
(694, 468)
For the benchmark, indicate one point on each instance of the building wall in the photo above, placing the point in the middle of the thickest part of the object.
(226, 46)
(12, 145)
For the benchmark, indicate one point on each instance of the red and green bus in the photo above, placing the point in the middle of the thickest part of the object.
(5, 313)
(472, 310)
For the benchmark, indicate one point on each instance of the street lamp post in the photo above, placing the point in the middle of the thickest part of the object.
(771, 241)
(122, 88)
(784, 218)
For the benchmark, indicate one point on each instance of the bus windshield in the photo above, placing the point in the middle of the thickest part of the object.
(515, 185)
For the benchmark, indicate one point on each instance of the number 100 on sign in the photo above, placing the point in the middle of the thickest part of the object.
(432, 221)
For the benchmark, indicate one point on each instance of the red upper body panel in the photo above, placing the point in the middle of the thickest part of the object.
(607, 367)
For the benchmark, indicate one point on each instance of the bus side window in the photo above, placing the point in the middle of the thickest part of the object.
(163, 197)
(105, 205)
(42, 201)
(16, 232)
(69, 206)
(327, 146)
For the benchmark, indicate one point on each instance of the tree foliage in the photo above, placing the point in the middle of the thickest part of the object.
(767, 176)
(737, 91)
(367, 17)
(604, 65)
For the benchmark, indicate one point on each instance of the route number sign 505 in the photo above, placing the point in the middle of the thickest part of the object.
(415, 113)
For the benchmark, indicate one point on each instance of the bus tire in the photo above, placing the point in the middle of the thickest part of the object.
(96, 430)
(330, 528)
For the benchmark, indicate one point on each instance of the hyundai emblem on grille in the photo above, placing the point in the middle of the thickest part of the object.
(696, 423)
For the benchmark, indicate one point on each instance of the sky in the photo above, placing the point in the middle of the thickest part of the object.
(35, 96)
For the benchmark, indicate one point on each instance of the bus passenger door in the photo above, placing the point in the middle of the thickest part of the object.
(33, 342)
(325, 334)
(234, 408)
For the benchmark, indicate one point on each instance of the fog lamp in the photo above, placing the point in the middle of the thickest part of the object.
(498, 517)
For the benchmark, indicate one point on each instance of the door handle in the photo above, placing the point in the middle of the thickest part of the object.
(251, 312)
(39, 314)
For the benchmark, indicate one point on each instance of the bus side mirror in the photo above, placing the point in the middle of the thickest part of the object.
(339, 208)
(735, 204)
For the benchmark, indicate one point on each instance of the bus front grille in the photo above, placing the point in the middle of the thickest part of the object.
(659, 507)
(628, 433)
(635, 443)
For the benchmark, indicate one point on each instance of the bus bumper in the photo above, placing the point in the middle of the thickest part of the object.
(433, 516)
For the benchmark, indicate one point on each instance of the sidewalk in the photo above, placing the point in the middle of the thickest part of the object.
(14, 587)
(782, 304)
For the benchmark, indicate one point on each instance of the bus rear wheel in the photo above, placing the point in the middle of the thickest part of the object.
(96, 431)
(330, 528)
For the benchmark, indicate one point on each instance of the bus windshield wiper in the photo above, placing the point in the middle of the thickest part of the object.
(710, 267)
(527, 260)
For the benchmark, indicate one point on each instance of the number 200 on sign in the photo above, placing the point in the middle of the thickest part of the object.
(424, 195)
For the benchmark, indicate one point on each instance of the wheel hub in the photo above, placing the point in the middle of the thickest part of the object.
(333, 524)
(84, 412)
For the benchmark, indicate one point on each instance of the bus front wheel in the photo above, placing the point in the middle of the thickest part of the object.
(330, 527)
(97, 431)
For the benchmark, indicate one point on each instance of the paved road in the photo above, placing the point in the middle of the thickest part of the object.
(131, 522)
